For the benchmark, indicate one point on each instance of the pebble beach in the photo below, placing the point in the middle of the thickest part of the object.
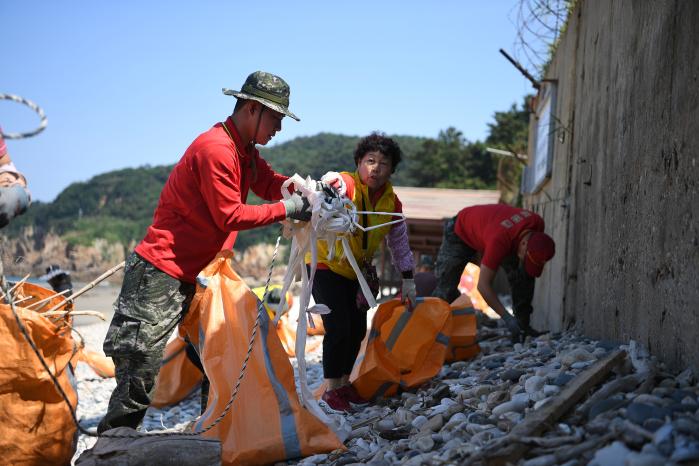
(640, 414)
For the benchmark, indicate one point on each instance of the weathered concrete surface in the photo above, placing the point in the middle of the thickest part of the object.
(623, 201)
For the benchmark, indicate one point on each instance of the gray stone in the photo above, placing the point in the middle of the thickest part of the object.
(639, 412)
(603, 406)
(613, 455)
(512, 375)
(563, 379)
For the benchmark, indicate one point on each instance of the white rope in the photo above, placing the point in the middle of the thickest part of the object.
(333, 218)
(42, 117)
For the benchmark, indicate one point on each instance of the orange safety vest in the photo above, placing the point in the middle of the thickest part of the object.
(363, 244)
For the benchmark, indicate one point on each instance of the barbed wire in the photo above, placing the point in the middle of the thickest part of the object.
(538, 25)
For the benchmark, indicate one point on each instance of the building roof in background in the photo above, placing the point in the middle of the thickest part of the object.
(426, 208)
(438, 204)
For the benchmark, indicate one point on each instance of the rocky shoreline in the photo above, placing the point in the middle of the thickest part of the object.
(638, 415)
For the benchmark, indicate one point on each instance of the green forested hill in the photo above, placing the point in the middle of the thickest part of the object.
(315, 155)
(118, 206)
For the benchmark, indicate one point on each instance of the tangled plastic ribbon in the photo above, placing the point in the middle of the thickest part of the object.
(334, 217)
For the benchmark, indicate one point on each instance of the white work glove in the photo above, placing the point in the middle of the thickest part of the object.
(335, 181)
(407, 291)
(297, 207)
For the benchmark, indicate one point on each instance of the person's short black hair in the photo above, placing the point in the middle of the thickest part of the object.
(379, 142)
(239, 104)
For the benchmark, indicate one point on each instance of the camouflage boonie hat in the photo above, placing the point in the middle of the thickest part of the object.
(268, 89)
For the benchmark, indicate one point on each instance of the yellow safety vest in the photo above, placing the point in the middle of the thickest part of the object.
(363, 245)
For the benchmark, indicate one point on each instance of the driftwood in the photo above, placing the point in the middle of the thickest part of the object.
(568, 453)
(536, 422)
(75, 313)
(145, 450)
(623, 384)
(26, 298)
(16, 285)
(45, 300)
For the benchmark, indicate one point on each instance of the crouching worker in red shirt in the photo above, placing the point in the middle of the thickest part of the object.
(336, 284)
(201, 209)
(491, 236)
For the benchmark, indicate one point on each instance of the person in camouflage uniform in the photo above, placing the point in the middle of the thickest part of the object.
(200, 210)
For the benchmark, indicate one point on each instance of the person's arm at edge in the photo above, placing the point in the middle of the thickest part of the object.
(399, 245)
(485, 288)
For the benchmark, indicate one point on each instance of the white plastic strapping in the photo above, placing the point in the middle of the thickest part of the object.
(332, 218)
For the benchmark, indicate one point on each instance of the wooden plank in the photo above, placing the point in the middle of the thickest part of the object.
(538, 421)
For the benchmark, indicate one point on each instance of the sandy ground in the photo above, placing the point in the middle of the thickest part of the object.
(101, 298)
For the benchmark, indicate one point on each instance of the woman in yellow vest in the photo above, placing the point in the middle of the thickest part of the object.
(335, 283)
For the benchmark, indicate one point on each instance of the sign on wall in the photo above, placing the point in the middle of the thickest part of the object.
(539, 170)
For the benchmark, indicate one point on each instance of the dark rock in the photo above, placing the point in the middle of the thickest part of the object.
(493, 365)
(602, 406)
(563, 379)
(651, 425)
(512, 375)
(607, 345)
(679, 395)
(638, 413)
(683, 408)
(477, 417)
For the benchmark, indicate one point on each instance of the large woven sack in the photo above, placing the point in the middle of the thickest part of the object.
(178, 377)
(267, 423)
(36, 427)
(462, 338)
(405, 347)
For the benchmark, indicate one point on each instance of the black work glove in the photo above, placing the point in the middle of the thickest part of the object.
(297, 207)
(513, 327)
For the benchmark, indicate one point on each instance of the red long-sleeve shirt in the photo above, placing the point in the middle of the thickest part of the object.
(202, 206)
(495, 230)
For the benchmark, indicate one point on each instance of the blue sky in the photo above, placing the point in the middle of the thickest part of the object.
(128, 83)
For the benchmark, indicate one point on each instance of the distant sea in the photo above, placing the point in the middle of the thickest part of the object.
(36, 281)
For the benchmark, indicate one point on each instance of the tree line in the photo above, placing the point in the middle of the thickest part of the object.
(118, 206)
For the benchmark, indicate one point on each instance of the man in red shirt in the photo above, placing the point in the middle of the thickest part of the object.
(493, 236)
(201, 208)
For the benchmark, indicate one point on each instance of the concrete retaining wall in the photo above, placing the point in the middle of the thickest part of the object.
(622, 203)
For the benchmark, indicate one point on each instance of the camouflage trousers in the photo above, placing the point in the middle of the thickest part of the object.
(150, 305)
(454, 255)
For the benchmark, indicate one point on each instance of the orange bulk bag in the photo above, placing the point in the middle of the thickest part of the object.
(286, 331)
(462, 338)
(102, 365)
(404, 348)
(36, 427)
(178, 377)
(266, 423)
